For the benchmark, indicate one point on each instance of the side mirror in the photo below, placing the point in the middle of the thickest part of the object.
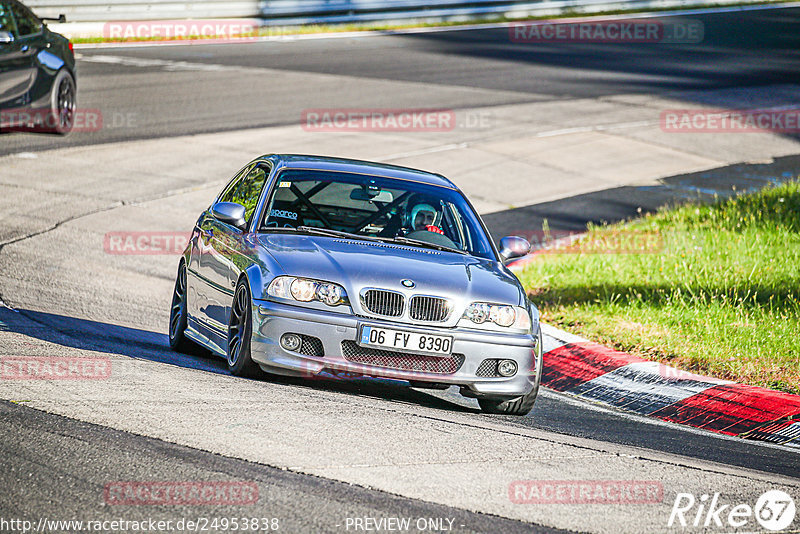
(6, 37)
(61, 18)
(513, 247)
(230, 213)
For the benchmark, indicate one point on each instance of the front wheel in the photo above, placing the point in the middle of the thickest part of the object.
(240, 329)
(520, 405)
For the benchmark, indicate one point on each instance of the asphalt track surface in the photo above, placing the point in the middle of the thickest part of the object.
(52, 461)
(739, 49)
(83, 457)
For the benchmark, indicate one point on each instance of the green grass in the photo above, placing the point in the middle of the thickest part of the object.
(720, 295)
(304, 29)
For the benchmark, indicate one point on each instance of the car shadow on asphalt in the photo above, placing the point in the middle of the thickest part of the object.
(392, 390)
(540, 223)
(572, 215)
(86, 334)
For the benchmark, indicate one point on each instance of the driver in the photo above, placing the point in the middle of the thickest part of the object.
(422, 216)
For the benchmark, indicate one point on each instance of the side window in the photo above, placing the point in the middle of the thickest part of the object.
(233, 183)
(6, 22)
(247, 190)
(27, 23)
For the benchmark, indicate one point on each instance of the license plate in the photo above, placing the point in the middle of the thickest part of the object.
(399, 340)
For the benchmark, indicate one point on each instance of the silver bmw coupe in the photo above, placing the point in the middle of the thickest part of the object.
(305, 264)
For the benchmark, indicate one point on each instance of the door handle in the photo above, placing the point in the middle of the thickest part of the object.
(24, 48)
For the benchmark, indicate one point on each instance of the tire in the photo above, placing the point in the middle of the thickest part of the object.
(177, 317)
(240, 330)
(63, 98)
(520, 405)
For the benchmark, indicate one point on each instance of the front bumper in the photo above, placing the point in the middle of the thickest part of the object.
(271, 320)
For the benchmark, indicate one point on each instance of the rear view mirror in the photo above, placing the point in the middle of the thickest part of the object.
(371, 195)
(230, 213)
(6, 37)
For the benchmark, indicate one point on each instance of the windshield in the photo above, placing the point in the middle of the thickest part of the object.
(375, 207)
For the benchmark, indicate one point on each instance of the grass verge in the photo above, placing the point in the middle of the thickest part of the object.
(716, 291)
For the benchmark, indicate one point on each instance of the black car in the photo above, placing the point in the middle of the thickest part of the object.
(37, 73)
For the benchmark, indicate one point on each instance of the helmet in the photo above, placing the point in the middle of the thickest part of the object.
(419, 205)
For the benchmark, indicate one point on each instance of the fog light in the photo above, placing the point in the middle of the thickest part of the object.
(507, 368)
(292, 342)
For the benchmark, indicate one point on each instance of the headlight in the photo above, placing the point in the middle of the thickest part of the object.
(306, 290)
(505, 316)
(330, 294)
(478, 312)
(303, 290)
(280, 287)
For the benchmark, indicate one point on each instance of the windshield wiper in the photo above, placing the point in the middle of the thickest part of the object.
(321, 231)
(334, 233)
(347, 235)
(425, 244)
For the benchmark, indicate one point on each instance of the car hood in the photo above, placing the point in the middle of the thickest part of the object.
(360, 264)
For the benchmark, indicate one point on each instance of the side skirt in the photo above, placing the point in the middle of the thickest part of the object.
(193, 333)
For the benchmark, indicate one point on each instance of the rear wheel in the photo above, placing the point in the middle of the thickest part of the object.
(62, 103)
(519, 405)
(177, 317)
(240, 330)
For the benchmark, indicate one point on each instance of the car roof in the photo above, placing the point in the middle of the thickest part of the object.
(325, 163)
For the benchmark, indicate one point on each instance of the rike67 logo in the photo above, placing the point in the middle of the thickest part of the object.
(774, 510)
